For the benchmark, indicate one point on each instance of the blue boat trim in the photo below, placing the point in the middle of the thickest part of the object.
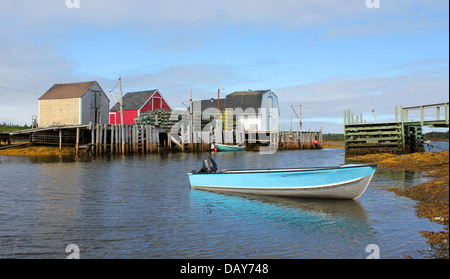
(347, 182)
(284, 188)
(291, 169)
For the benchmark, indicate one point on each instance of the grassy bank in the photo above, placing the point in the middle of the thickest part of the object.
(432, 196)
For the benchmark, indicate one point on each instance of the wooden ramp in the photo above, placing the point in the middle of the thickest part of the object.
(404, 136)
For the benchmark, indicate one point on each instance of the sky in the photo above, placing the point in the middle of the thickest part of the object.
(326, 55)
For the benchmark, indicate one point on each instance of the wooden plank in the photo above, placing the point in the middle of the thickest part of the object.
(384, 133)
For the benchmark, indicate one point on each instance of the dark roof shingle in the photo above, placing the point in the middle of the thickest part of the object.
(245, 99)
(134, 100)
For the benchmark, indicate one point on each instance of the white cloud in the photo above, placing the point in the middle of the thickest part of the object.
(328, 99)
(31, 33)
(159, 16)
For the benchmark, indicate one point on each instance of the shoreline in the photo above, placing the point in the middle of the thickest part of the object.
(432, 197)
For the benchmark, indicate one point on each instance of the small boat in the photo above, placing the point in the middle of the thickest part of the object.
(225, 147)
(340, 182)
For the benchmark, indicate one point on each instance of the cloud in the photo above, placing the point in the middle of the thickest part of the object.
(174, 82)
(33, 34)
(161, 16)
(328, 99)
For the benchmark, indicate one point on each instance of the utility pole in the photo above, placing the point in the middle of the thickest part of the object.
(191, 120)
(218, 107)
(121, 116)
(299, 117)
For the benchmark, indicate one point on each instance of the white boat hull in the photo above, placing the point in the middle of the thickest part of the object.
(346, 182)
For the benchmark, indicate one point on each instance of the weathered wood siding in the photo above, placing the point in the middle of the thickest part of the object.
(59, 112)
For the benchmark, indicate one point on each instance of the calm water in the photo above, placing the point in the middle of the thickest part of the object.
(143, 207)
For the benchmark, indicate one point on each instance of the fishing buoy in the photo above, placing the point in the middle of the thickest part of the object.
(316, 142)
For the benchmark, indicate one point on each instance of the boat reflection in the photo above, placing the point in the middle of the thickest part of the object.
(336, 209)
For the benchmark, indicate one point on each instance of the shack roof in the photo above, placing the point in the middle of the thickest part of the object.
(245, 99)
(211, 103)
(67, 90)
(240, 99)
(135, 100)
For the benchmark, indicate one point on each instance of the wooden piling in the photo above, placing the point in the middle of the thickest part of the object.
(77, 144)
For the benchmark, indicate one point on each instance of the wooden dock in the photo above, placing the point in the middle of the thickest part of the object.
(102, 139)
(404, 136)
(97, 139)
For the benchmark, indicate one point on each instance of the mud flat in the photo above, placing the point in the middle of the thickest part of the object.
(432, 196)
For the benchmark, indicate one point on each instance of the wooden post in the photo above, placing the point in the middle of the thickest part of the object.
(93, 137)
(147, 147)
(105, 135)
(182, 137)
(60, 139)
(150, 138)
(133, 138)
(446, 113)
(348, 117)
(112, 139)
(402, 114)
(421, 115)
(116, 136)
(157, 138)
(100, 142)
(127, 139)
(396, 114)
(191, 136)
(96, 139)
(77, 142)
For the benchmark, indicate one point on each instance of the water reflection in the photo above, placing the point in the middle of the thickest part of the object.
(400, 179)
(301, 224)
(346, 209)
(143, 207)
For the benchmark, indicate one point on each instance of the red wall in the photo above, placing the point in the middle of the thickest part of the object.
(128, 116)
(155, 102)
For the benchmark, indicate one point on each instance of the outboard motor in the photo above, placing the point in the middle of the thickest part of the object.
(209, 166)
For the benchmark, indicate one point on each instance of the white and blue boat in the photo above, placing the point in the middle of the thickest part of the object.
(340, 182)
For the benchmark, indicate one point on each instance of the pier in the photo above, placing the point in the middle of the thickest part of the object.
(97, 139)
(102, 139)
(404, 135)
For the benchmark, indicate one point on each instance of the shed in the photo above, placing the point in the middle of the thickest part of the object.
(134, 103)
(73, 104)
(260, 109)
(253, 110)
